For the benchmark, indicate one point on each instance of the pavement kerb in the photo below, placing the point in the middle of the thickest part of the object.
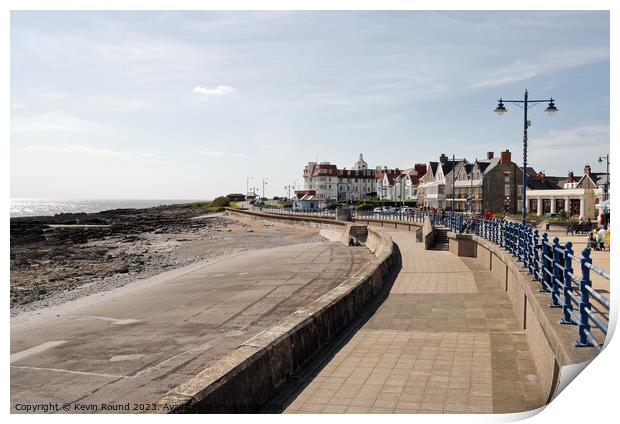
(245, 379)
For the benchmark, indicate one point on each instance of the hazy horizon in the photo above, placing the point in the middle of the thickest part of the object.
(186, 105)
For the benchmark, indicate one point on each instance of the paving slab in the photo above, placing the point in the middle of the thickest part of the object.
(446, 340)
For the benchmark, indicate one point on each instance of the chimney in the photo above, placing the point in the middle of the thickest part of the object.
(571, 177)
(541, 175)
(506, 157)
(490, 155)
(587, 169)
(443, 158)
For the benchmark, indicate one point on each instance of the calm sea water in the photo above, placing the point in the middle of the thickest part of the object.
(43, 207)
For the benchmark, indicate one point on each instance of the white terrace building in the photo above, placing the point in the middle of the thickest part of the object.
(357, 183)
(575, 198)
(332, 184)
(432, 187)
(406, 184)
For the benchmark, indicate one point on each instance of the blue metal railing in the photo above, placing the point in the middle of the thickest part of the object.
(559, 271)
(556, 267)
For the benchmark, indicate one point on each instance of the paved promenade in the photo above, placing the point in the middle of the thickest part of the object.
(446, 340)
(135, 343)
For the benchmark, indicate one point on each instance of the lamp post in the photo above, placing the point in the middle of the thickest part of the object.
(600, 160)
(264, 183)
(526, 103)
(471, 188)
(289, 187)
(453, 180)
(247, 184)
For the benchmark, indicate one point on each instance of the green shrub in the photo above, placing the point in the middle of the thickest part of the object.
(221, 201)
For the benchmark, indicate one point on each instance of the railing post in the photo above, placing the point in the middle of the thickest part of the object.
(507, 228)
(568, 284)
(497, 231)
(526, 248)
(584, 284)
(536, 261)
(520, 243)
(501, 233)
(555, 287)
(543, 263)
(530, 251)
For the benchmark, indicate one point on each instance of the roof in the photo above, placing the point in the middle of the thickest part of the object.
(483, 166)
(602, 179)
(447, 166)
(313, 170)
(354, 173)
(414, 173)
(433, 167)
(538, 184)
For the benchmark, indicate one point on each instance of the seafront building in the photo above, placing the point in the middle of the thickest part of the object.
(494, 183)
(327, 183)
(573, 195)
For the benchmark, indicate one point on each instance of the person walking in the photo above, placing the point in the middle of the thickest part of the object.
(580, 225)
(569, 228)
(547, 226)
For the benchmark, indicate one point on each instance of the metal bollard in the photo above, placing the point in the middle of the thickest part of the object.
(584, 325)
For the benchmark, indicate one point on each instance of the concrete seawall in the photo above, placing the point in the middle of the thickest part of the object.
(246, 379)
(557, 361)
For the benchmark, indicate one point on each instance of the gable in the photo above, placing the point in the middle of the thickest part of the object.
(586, 182)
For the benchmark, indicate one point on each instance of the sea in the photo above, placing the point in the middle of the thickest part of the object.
(48, 207)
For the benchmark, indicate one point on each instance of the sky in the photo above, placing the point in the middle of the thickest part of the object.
(189, 105)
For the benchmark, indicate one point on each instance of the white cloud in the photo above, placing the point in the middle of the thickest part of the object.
(220, 90)
(522, 69)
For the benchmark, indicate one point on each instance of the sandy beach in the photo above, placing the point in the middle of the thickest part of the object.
(69, 256)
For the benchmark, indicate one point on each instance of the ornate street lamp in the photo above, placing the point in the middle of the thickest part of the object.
(600, 160)
(525, 104)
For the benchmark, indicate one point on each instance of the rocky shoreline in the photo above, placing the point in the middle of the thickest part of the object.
(54, 259)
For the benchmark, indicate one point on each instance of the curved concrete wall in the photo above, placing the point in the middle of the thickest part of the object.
(249, 376)
(551, 342)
